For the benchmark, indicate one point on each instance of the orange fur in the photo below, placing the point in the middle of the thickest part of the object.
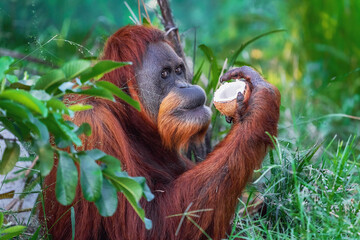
(176, 133)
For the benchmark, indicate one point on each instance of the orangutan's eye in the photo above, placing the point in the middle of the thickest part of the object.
(179, 70)
(165, 73)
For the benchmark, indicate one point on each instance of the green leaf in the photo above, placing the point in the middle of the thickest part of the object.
(40, 130)
(95, 154)
(133, 190)
(5, 63)
(100, 68)
(46, 159)
(62, 138)
(10, 157)
(62, 129)
(15, 229)
(66, 179)
(12, 232)
(146, 190)
(108, 201)
(11, 78)
(140, 180)
(208, 53)
(84, 128)
(73, 222)
(119, 93)
(49, 79)
(25, 99)
(22, 130)
(131, 185)
(75, 68)
(80, 107)
(15, 110)
(244, 45)
(11, 126)
(1, 219)
(36, 234)
(90, 178)
(148, 223)
(146, 22)
(198, 73)
(113, 165)
(131, 198)
(98, 92)
(57, 106)
(215, 71)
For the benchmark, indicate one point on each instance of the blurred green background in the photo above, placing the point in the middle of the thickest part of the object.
(315, 62)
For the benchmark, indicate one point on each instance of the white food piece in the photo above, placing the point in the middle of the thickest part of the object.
(229, 91)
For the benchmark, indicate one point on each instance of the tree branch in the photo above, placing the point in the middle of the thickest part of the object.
(170, 27)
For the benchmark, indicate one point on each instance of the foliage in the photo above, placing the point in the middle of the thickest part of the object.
(308, 195)
(31, 109)
(9, 232)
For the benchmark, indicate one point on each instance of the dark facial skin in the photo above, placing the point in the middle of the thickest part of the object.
(162, 72)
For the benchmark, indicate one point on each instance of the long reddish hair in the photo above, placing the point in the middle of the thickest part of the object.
(129, 45)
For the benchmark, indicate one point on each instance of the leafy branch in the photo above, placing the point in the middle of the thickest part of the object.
(32, 110)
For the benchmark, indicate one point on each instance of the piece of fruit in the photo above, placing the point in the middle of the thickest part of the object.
(225, 96)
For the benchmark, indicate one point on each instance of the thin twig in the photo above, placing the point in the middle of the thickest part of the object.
(31, 166)
(182, 219)
(147, 15)
(12, 204)
(139, 8)
(133, 16)
(19, 211)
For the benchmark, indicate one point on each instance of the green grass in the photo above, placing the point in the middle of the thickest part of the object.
(311, 194)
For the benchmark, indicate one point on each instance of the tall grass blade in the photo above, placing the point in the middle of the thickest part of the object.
(244, 45)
